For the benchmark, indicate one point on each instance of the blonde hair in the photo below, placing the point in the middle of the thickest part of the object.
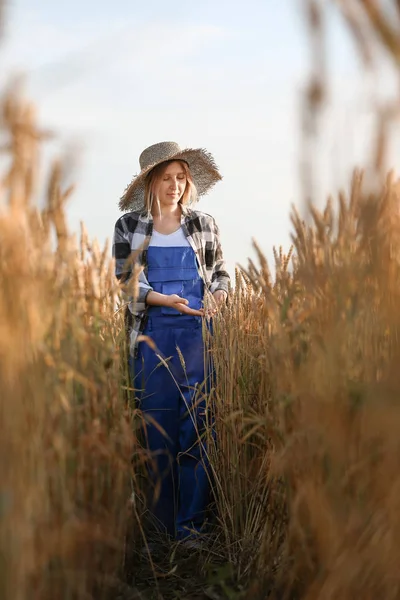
(150, 195)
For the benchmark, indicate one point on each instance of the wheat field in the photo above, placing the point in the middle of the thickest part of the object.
(306, 406)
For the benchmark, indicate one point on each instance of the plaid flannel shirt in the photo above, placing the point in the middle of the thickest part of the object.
(133, 233)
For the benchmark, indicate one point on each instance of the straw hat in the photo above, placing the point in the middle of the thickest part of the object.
(202, 167)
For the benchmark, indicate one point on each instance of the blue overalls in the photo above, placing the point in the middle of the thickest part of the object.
(173, 394)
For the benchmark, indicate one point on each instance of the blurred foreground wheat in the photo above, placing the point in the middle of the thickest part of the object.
(308, 412)
(66, 436)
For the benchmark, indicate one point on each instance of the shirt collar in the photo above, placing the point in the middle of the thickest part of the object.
(149, 217)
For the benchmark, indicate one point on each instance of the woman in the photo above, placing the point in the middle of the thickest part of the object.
(180, 254)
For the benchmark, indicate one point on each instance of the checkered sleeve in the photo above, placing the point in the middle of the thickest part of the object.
(144, 289)
(220, 279)
(121, 251)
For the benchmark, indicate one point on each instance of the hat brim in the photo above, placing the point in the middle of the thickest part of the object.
(202, 166)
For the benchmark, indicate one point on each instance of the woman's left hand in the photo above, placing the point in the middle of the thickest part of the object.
(220, 297)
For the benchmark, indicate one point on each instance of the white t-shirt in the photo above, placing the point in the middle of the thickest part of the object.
(175, 239)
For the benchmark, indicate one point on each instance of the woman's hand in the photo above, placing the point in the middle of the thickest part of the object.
(181, 305)
(172, 301)
(220, 297)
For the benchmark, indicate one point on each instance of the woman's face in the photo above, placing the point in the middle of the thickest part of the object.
(171, 185)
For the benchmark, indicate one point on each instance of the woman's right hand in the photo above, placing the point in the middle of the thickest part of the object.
(181, 305)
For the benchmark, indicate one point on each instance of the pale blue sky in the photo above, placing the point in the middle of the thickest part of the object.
(115, 77)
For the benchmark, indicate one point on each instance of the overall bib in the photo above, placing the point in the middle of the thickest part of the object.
(173, 394)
